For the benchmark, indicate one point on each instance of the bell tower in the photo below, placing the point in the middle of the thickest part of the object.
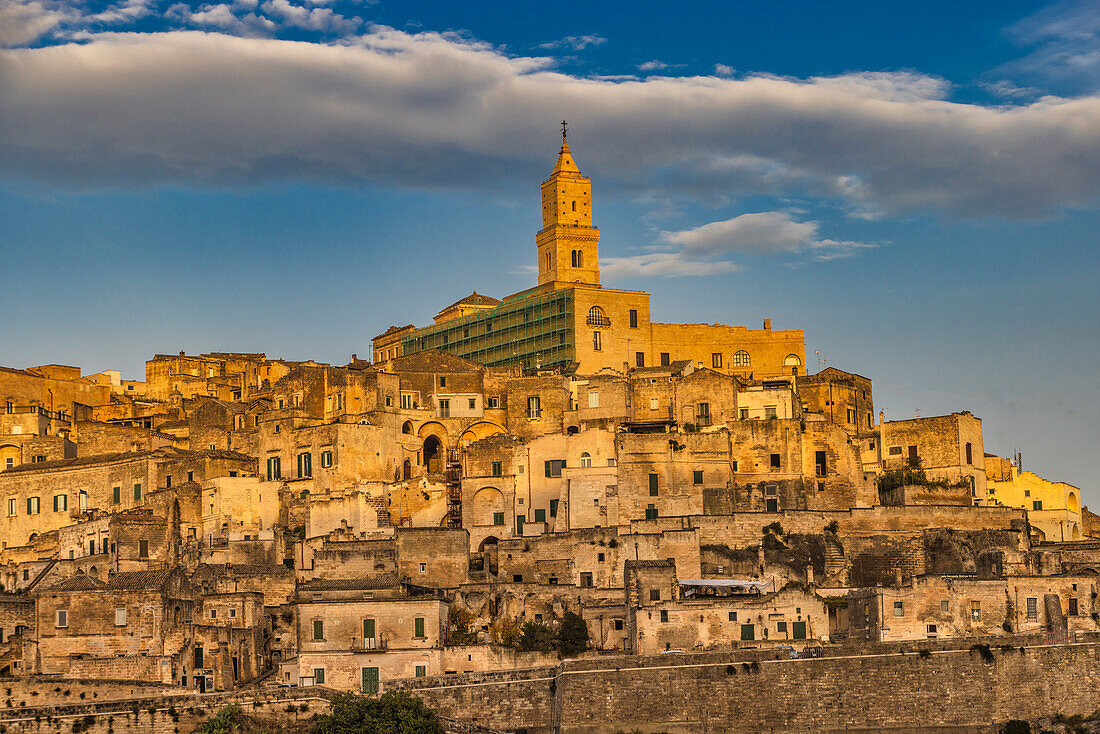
(568, 244)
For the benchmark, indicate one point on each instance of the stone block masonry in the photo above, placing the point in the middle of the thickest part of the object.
(943, 690)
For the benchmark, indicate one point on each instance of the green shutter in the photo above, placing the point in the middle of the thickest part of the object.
(318, 629)
(540, 515)
(319, 676)
(116, 495)
(653, 485)
(137, 492)
(553, 508)
(800, 630)
(368, 629)
(370, 680)
(547, 468)
(748, 632)
(418, 627)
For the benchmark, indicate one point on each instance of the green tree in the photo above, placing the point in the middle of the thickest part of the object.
(535, 636)
(504, 631)
(573, 634)
(394, 712)
(461, 623)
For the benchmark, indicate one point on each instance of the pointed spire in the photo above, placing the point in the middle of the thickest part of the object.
(565, 163)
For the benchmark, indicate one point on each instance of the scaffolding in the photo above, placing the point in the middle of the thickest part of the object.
(534, 330)
(454, 489)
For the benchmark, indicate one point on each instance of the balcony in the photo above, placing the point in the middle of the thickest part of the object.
(598, 320)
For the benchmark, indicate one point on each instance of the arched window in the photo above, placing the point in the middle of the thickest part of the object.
(597, 318)
(741, 358)
(580, 258)
(574, 206)
(792, 360)
(576, 258)
(547, 261)
(586, 460)
(407, 427)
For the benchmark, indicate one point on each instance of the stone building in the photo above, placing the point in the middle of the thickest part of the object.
(1054, 508)
(569, 320)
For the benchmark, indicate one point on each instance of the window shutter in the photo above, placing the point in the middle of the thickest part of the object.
(547, 468)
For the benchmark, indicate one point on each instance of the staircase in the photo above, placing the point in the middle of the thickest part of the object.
(453, 477)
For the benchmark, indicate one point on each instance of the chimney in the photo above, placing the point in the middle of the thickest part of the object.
(355, 358)
(181, 353)
(767, 324)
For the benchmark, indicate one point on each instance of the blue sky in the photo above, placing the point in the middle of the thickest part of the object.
(917, 187)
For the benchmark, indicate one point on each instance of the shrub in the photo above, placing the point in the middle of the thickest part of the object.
(1016, 726)
(394, 712)
(573, 634)
(535, 636)
(984, 651)
(504, 631)
(460, 622)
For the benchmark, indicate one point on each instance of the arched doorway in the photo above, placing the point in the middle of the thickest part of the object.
(406, 470)
(433, 453)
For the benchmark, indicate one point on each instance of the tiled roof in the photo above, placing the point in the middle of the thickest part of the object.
(166, 452)
(474, 299)
(79, 582)
(381, 582)
(138, 580)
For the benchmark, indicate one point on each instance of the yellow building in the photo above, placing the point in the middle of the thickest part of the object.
(569, 320)
(1053, 508)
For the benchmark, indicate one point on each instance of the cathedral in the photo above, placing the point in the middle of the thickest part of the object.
(569, 321)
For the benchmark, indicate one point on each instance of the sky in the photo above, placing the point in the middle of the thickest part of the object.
(917, 186)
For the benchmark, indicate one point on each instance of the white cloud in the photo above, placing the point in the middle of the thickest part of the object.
(313, 19)
(23, 22)
(1066, 41)
(440, 110)
(226, 17)
(576, 43)
(126, 11)
(724, 70)
(660, 264)
(653, 66)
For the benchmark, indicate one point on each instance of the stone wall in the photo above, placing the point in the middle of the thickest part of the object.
(941, 690)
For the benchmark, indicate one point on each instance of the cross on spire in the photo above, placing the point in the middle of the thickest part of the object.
(564, 130)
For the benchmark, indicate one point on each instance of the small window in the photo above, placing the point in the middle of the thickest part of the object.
(443, 381)
(653, 485)
(586, 460)
(633, 318)
(976, 611)
(232, 613)
(899, 609)
(498, 468)
(697, 476)
(618, 624)
(305, 465)
(945, 606)
(600, 557)
(553, 508)
(733, 616)
(498, 518)
(492, 402)
(895, 451)
(743, 414)
(775, 461)
(593, 398)
(655, 595)
(34, 505)
(540, 515)
(534, 407)
(62, 618)
(650, 512)
(781, 627)
(418, 627)
(1072, 610)
(741, 359)
(423, 568)
(444, 407)
(932, 630)
(318, 629)
(553, 467)
(716, 360)
(597, 341)
(664, 615)
(143, 549)
(654, 404)
(326, 459)
(639, 359)
(120, 617)
(969, 453)
(319, 676)
(1032, 608)
(748, 632)
(770, 411)
(666, 359)
(421, 671)
(1036, 504)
